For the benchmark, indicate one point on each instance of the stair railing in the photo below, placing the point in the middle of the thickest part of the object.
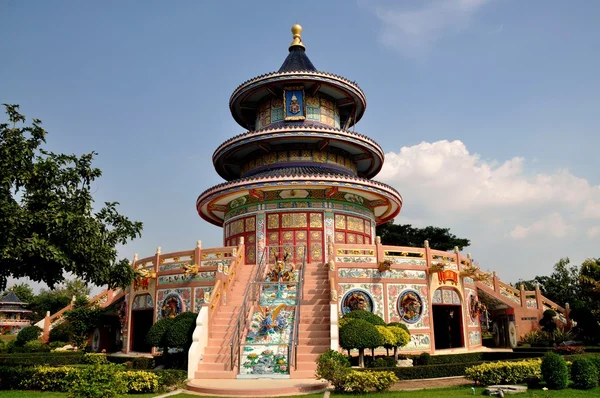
(250, 294)
(293, 353)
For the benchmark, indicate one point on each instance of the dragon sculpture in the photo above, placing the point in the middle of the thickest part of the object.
(271, 320)
(283, 271)
(191, 269)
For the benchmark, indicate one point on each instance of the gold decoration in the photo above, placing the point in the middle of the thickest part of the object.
(385, 265)
(191, 269)
(296, 32)
(439, 266)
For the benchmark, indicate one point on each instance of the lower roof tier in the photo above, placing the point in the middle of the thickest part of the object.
(298, 185)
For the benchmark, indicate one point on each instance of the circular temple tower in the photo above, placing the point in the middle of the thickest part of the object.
(298, 176)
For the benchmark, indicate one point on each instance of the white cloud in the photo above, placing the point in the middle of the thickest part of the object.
(520, 223)
(413, 31)
(552, 225)
(593, 232)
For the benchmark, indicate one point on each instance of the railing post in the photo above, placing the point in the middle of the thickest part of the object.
(538, 298)
(198, 253)
(568, 315)
(523, 296)
(496, 282)
(379, 250)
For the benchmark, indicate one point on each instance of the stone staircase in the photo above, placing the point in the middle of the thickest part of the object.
(314, 335)
(216, 362)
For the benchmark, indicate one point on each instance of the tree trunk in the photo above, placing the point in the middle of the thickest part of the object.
(373, 353)
(396, 353)
(349, 353)
(361, 357)
(387, 352)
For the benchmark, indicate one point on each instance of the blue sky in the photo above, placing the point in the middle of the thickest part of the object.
(488, 110)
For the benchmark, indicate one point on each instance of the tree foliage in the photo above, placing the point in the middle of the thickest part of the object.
(407, 235)
(47, 222)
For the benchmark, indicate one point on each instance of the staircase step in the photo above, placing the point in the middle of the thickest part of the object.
(214, 374)
(313, 327)
(212, 366)
(310, 341)
(313, 349)
(315, 334)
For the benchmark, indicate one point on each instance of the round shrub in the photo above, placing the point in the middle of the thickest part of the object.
(555, 371)
(98, 381)
(584, 374)
(333, 367)
(92, 358)
(365, 316)
(27, 334)
(35, 346)
(400, 325)
(402, 337)
(181, 331)
(61, 332)
(360, 334)
(156, 334)
(387, 336)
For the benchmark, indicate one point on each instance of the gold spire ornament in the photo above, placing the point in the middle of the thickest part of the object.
(296, 31)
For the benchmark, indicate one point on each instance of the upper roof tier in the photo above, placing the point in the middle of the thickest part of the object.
(297, 70)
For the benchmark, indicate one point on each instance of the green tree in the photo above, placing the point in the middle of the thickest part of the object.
(47, 223)
(407, 235)
(562, 286)
(23, 291)
(82, 319)
(359, 334)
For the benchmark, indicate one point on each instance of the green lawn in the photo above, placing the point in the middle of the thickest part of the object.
(451, 393)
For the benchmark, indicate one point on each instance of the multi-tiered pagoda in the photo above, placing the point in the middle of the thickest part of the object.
(299, 175)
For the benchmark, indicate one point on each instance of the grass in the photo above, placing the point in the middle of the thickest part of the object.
(452, 392)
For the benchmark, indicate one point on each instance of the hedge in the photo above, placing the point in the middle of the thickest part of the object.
(504, 372)
(45, 378)
(42, 358)
(456, 358)
(141, 363)
(426, 371)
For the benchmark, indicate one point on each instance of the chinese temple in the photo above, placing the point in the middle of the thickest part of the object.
(13, 314)
(298, 210)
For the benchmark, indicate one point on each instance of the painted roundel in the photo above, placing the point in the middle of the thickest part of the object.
(357, 299)
(171, 306)
(410, 306)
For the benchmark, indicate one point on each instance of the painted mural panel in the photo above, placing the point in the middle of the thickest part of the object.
(398, 292)
(418, 342)
(474, 337)
(472, 314)
(142, 302)
(375, 273)
(374, 290)
(173, 301)
(406, 260)
(181, 278)
(201, 296)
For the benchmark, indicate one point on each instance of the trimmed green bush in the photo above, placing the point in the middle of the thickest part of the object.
(35, 346)
(46, 358)
(169, 377)
(180, 333)
(584, 374)
(157, 334)
(359, 334)
(429, 371)
(364, 382)
(98, 382)
(141, 363)
(61, 332)
(333, 367)
(555, 371)
(91, 358)
(139, 381)
(504, 372)
(28, 333)
(401, 326)
(365, 316)
(423, 359)
(382, 362)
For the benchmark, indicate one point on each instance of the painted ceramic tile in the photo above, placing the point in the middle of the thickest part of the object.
(355, 259)
(356, 299)
(375, 290)
(418, 342)
(142, 301)
(508, 294)
(531, 303)
(170, 266)
(181, 278)
(278, 294)
(201, 296)
(265, 360)
(468, 280)
(474, 337)
(468, 294)
(215, 262)
(184, 295)
(405, 260)
(394, 292)
(373, 273)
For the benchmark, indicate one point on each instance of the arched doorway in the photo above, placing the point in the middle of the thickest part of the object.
(142, 314)
(447, 319)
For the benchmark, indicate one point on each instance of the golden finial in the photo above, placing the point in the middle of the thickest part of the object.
(296, 31)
